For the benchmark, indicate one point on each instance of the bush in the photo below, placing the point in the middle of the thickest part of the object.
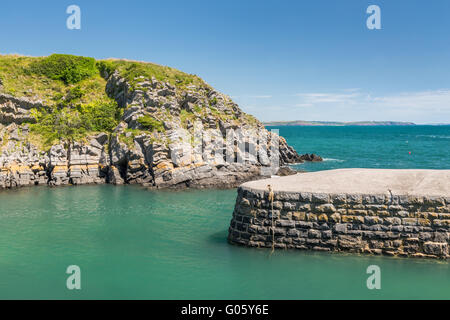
(72, 123)
(100, 116)
(68, 68)
(75, 93)
(105, 67)
(56, 124)
(151, 123)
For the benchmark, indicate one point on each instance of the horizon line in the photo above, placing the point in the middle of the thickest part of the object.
(358, 121)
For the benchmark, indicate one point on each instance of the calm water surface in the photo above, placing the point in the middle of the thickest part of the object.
(134, 243)
(394, 147)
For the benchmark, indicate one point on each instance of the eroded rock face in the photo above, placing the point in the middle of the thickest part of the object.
(203, 140)
(87, 163)
(21, 163)
(16, 110)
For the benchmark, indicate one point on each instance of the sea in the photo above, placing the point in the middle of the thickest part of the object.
(128, 242)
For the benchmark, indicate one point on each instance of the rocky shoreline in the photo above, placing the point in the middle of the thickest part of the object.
(174, 157)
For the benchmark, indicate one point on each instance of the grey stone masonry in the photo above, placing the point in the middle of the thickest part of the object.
(383, 223)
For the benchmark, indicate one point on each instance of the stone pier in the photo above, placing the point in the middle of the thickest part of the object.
(393, 212)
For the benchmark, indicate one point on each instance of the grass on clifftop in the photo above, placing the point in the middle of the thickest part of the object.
(47, 78)
(73, 93)
(67, 68)
(133, 70)
(51, 78)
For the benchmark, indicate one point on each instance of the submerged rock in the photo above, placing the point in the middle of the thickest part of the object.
(311, 157)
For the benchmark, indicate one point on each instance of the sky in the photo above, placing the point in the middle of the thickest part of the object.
(278, 59)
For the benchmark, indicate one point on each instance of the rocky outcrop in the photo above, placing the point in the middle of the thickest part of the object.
(311, 157)
(78, 163)
(21, 163)
(16, 110)
(168, 159)
(201, 139)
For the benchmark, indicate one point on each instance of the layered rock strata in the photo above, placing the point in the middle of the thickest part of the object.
(189, 150)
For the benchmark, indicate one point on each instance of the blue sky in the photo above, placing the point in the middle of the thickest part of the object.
(280, 60)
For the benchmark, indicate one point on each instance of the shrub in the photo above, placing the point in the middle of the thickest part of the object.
(56, 124)
(105, 67)
(151, 123)
(67, 68)
(72, 123)
(100, 116)
(74, 94)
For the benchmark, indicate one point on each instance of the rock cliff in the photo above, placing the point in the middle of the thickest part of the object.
(170, 129)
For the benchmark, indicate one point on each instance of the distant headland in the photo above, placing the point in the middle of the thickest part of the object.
(336, 123)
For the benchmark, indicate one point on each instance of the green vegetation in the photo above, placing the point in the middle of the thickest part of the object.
(186, 116)
(68, 68)
(151, 124)
(18, 81)
(251, 119)
(227, 117)
(197, 108)
(20, 77)
(128, 136)
(74, 122)
(132, 70)
(48, 77)
(4, 139)
(127, 139)
(72, 90)
(214, 111)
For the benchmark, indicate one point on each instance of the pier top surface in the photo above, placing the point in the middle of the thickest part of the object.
(362, 181)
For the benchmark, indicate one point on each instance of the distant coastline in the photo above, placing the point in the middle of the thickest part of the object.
(336, 123)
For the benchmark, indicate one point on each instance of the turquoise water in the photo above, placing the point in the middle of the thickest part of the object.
(395, 147)
(132, 243)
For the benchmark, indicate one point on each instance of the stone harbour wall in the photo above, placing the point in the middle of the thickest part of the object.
(395, 225)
